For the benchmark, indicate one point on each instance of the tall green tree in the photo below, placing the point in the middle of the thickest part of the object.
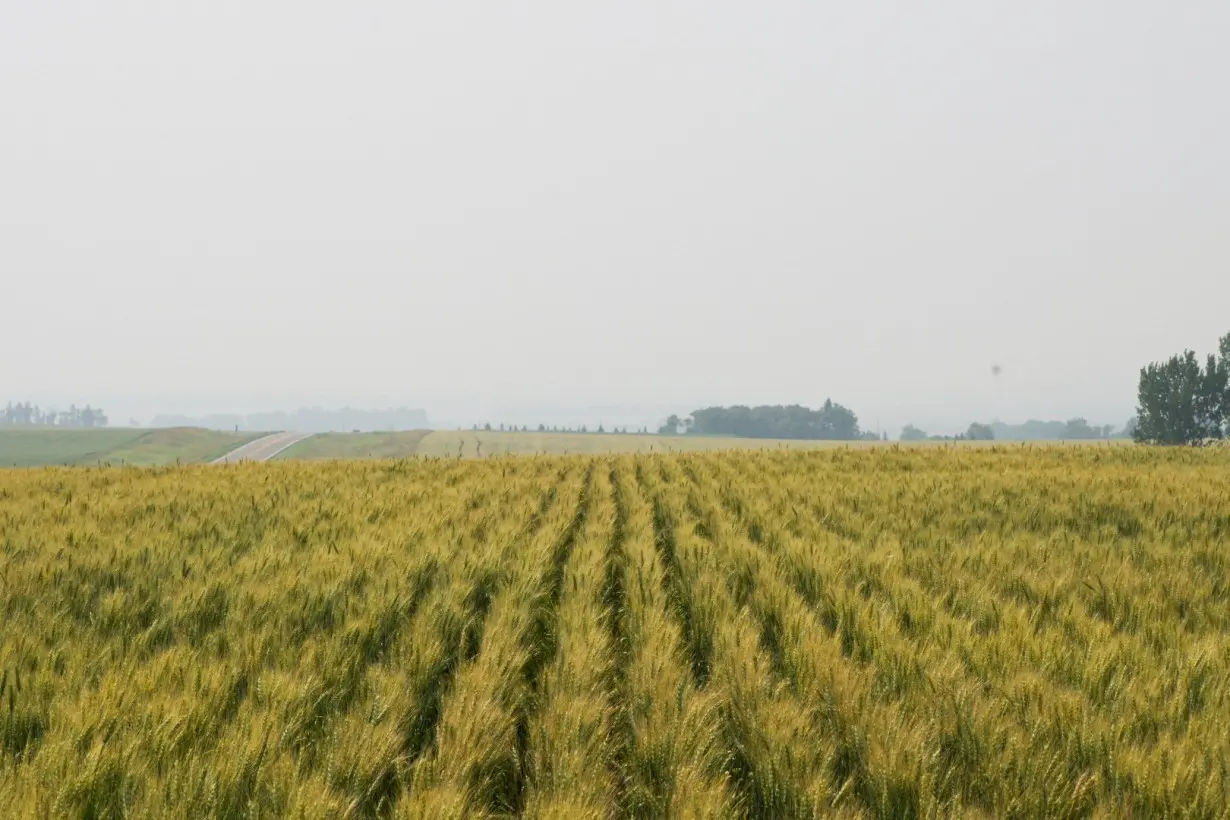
(1181, 402)
(1223, 350)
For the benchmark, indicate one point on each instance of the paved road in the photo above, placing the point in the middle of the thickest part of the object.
(263, 448)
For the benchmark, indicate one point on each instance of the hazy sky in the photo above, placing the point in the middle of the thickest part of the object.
(569, 203)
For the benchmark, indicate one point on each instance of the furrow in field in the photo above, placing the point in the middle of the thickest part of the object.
(674, 762)
(694, 615)
(778, 759)
(541, 639)
(394, 724)
(352, 722)
(614, 610)
(475, 764)
(809, 657)
(568, 766)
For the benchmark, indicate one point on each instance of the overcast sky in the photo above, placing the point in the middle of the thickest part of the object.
(570, 203)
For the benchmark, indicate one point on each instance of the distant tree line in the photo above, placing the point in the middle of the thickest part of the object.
(25, 413)
(1071, 430)
(830, 422)
(1077, 429)
(1182, 402)
(975, 432)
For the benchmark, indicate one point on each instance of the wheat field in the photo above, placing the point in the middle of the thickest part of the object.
(880, 632)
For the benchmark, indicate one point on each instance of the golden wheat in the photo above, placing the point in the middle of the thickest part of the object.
(996, 632)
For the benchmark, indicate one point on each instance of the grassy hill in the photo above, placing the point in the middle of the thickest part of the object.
(355, 445)
(46, 446)
(179, 444)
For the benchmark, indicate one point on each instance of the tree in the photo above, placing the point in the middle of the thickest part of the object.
(600, 429)
(912, 433)
(1223, 349)
(1213, 407)
(1181, 402)
(542, 428)
(671, 428)
(980, 432)
(1079, 428)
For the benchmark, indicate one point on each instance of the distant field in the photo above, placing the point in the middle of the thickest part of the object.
(34, 447)
(37, 447)
(355, 445)
(183, 444)
(471, 444)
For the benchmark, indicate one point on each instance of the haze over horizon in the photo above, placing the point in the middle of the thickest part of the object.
(450, 412)
(232, 207)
